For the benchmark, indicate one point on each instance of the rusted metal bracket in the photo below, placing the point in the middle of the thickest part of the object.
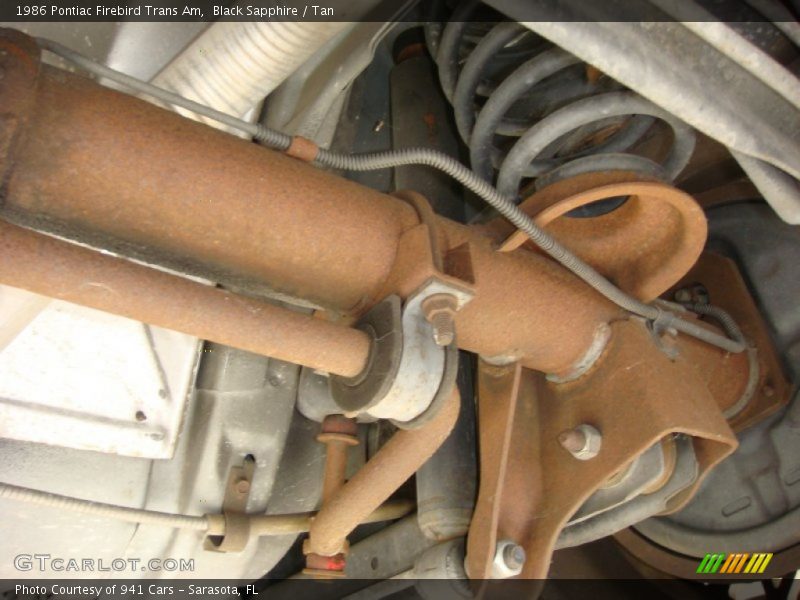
(422, 256)
(726, 288)
(634, 396)
(644, 246)
(234, 508)
(498, 393)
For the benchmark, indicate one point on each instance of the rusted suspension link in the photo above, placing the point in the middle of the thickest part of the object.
(383, 474)
(66, 271)
(338, 433)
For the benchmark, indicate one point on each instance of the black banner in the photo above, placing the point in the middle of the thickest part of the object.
(300, 589)
(388, 10)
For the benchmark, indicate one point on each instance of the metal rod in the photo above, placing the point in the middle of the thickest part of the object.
(338, 433)
(383, 474)
(46, 265)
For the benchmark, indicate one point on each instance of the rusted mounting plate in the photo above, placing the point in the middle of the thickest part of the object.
(727, 289)
(644, 246)
(421, 256)
(234, 507)
(635, 396)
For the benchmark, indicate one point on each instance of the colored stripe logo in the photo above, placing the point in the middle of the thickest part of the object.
(729, 564)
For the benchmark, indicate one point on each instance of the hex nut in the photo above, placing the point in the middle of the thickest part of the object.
(439, 311)
(583, 442)
(509, 558)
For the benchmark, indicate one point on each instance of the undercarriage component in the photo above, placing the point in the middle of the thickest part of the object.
(338, 433)
(655, 216)
(302, 241)
(761, 118)
(233, 66)
(749, 503)
(684, 473)
(647, 473)
(236, 524)
(718, 278)
(383, 474)
(595, 411)
(61, 398)
(646, 397)
(447, 482)
(540, 112)
(408, 369)
(77, 274)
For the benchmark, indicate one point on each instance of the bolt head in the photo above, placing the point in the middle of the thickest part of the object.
(243, 486)
(572, 440)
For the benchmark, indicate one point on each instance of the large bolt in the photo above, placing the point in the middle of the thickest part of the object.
(440, 311)
(338, 433)
(583, 442)
(509, 558)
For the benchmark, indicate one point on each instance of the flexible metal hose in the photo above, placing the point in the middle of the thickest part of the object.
(112, 511)
(504, 204)
(734, 332)
(722, 317)
(260, 525)
(233, 66)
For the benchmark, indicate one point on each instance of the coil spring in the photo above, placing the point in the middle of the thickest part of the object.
(529, 110)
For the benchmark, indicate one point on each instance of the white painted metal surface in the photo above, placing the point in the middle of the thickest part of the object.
(75, 377)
